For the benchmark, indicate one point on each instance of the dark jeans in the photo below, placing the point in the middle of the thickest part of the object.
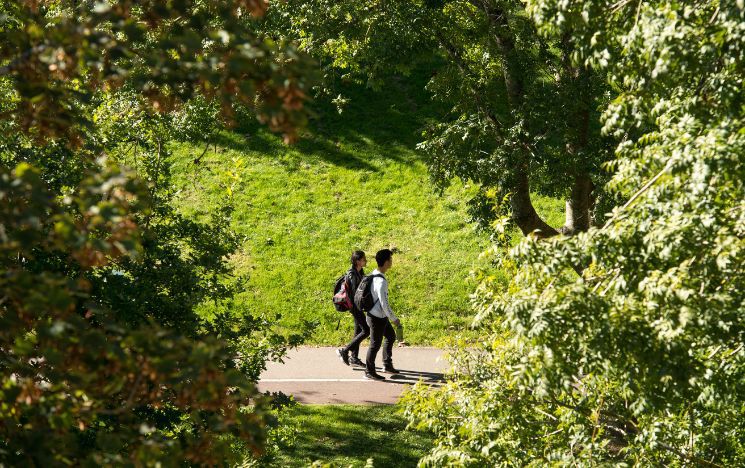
(380, 330)
(361, 331)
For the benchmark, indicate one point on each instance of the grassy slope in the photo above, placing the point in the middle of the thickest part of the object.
(354, 182)
(347, 435)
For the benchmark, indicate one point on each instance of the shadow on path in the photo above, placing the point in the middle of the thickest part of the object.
(435, 379)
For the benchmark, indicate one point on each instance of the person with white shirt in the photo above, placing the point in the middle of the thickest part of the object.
(379, 319)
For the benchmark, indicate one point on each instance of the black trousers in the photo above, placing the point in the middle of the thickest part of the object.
(381, 330)
(361, 331)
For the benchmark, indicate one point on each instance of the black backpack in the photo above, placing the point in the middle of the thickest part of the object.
(363, 299)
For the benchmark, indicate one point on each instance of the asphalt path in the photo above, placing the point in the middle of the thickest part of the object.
(317, 376)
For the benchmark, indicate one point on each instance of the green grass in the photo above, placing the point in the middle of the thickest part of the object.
(347, 435)
(354, 181)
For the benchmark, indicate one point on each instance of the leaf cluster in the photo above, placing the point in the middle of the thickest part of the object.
(58, 54)
(638, 361)
(105, 358)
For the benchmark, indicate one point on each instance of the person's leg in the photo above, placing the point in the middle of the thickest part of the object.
(377, 326)
(354, 348)
(361, 331)
(389, 337)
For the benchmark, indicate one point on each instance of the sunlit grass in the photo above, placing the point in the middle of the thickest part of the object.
(353, 182)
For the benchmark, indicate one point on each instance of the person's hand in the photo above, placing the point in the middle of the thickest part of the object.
(397, 322)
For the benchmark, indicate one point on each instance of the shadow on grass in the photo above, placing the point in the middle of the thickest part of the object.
(270, 146)
(342, 432)
(384, 126)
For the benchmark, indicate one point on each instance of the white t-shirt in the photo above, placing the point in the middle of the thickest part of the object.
(379, 292)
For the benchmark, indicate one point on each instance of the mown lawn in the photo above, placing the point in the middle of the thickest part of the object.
(347, 436)
(354, 181)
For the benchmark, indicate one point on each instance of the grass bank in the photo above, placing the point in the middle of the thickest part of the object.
(354, 181)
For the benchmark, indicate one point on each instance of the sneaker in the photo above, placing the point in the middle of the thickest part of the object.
(391, 370)
(373, 376)
(343, 356)
(355, 361)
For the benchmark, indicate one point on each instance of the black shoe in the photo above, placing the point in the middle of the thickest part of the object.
(373, 376)
(344, 356)
(391, 370)
(355, 361)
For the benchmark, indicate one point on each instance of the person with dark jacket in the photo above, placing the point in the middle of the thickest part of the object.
(350, 353)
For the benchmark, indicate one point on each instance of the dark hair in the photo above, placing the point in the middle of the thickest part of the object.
(357, 255)
(383, 256)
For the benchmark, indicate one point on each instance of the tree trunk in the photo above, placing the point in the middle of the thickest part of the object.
(523, 212)
(578, 207)
(503, 38)
(580, 203)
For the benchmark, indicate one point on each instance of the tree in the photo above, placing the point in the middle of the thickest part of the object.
(522, 115)
(640, 360)
(167, 52)
(103, 358)
(78, 384)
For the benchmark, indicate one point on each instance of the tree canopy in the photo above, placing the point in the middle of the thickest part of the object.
(640, 360)
(522, 115)
(619, 342)
(103, 356)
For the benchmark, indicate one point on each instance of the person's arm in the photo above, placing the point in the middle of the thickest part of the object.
(384, 302)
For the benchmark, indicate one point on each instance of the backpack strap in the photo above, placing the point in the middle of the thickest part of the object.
(371, 283)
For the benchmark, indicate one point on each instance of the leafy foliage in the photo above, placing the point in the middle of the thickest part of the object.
(78, 385)
(169, 52)
(184, 262)
(640, 360)
(104, 358)
(520, 116)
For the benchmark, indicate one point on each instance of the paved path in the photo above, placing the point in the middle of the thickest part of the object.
(317, 376)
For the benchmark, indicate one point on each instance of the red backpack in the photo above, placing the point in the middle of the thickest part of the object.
(342, 299)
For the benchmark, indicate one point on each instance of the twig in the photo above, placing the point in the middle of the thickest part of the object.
(198, 159)
(551, 433)
(130, 399)
(619, 5)
(640, 192)
(547, 415)
(716, 350)
(601, 279)
(638, 11)
(609, 284)
(692, 458)
(735, 351)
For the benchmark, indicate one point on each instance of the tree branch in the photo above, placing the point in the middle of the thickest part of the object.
(8, 68)
(640, 192)
(466, 71)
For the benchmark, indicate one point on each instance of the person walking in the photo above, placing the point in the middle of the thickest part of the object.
(379, 319)
(349, 354)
